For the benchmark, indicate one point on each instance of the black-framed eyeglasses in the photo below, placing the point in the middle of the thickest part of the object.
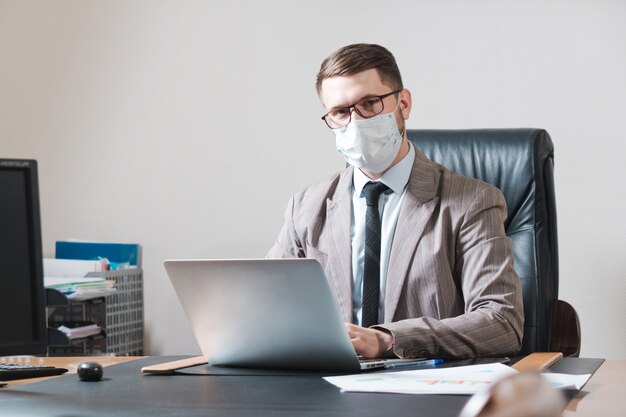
(366, 108)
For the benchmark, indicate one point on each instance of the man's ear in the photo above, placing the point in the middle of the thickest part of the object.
(406, 103)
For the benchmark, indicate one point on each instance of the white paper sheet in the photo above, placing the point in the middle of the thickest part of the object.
(71, 268)
(458, 380)
(82, 331)
(566, 381)
(52, 282)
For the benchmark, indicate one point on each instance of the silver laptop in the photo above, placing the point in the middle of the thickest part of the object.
(265, 313)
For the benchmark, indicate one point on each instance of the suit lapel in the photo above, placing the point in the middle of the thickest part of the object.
(339, 215)
(417, 208)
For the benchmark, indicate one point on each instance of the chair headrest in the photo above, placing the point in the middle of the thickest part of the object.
(510, 159)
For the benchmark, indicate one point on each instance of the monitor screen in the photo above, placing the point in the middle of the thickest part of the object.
(23, 327)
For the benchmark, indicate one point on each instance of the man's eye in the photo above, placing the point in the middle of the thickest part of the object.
(369, 103)
(343, 112)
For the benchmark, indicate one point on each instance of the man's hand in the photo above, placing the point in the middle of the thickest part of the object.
(370, 343)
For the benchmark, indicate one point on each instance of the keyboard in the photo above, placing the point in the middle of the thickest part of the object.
(12, 371)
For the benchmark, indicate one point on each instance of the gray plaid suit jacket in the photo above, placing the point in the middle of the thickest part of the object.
(451, 288)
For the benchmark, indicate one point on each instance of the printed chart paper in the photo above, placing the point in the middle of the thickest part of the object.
(465, 380)
(460, 380)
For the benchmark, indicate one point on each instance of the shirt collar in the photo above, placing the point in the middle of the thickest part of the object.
(396, 178)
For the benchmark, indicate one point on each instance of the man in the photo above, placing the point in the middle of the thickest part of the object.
(415, 255)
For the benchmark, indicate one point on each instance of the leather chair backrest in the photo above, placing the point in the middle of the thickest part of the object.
(520, 162)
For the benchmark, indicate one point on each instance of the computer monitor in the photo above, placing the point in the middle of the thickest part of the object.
(23, 329)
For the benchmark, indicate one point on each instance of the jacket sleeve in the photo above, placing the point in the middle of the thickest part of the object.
(492, 324)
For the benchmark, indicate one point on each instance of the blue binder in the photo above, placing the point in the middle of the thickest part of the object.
(114, 252)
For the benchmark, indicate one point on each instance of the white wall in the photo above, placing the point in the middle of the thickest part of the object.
(167, 122)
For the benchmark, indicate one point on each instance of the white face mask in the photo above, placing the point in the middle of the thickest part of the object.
(370, 144)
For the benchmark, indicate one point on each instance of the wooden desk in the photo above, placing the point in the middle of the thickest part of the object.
(604, 395)
(70, 363)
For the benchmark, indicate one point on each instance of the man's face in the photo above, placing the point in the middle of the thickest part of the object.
(345, 90)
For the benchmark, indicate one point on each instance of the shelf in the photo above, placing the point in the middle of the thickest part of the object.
(120, 315)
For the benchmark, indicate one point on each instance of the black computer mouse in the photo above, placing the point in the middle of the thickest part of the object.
(89, 371)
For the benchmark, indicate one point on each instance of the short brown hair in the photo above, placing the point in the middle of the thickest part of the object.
(352, 59)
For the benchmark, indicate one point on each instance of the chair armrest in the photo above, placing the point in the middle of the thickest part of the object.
(537, 361)
(565, 329)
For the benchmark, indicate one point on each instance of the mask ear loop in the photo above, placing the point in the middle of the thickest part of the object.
(403, 130)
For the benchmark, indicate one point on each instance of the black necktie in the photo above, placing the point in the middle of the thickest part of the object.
(371, 264)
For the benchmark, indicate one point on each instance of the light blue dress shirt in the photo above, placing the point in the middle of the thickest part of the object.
(389, 205)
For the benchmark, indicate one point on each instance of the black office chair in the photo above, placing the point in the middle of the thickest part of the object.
(520, 162)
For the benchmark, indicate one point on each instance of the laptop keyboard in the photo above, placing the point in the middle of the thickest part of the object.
(12, 371)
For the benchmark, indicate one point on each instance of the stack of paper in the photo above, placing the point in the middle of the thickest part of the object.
(89, 290)
(82, 288)
(68, 277)
(80, 331)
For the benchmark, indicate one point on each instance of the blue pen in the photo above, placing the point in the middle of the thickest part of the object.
(417, 364)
